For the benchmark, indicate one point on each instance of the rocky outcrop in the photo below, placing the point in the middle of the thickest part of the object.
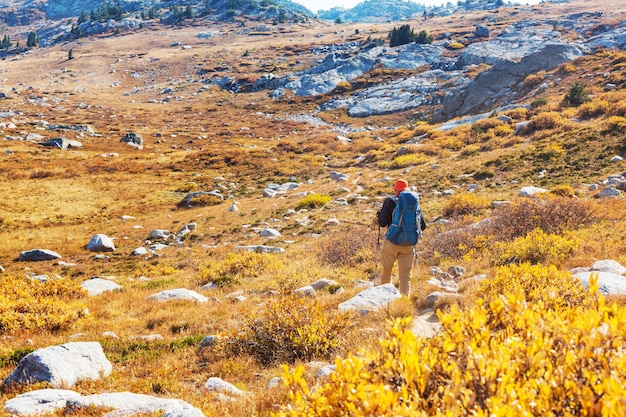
(497, 84)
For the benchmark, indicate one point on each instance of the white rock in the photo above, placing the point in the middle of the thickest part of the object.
(609, 283)
(609, 265)
(97, 286)
(178, 294)
(269, 232)
(531, 190)
(62, 365)
(372, 298)
(218, 385)
(100, 243)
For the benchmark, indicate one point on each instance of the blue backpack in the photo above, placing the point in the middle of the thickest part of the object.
(405, 227)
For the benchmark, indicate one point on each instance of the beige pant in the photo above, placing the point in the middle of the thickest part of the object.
(404, 255)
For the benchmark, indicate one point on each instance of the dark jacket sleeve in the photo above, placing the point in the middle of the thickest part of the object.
(385, 214)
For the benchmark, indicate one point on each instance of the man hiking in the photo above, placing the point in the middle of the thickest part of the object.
(402, 214)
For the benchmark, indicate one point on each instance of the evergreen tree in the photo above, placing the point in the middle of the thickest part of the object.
(82, 18)
(70, 54)
(32, 41)
(188, 12)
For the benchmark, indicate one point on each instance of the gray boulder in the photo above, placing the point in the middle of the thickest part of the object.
(262, 249)
(608, 265)
(97, 286)
(46, 401)
(482, 31)
(100, 243)
(531, 191)
(372, 298)
(62, 365)
(133, 139)
(609, 283)
(34, 255)
(178, 294)
(62, 143)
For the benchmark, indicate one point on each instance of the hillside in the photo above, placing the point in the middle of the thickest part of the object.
(260, 153)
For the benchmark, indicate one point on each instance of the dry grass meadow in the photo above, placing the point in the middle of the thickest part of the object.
(197, 136)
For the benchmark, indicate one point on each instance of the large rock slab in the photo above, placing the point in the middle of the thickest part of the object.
(372, 298)
(62, 365)
(44, 401)
(35, 255)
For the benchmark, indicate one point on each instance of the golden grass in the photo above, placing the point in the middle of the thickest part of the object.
(58, 199)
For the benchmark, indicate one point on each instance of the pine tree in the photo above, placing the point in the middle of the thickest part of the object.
(32, 41)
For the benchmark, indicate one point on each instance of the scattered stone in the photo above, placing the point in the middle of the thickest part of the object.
(209, 341)
(338, 176)
(100, 243)
(320, 284)
(97, 286)
(306, 291)
(35, 255)
(61, 366)
(531, 191)
(233, 207)
(270, 233)
(332, 222)
(218, 385)
(178, 294)
(159, 234)
(372, 298)
(456, 271)
(262, 249)
(617, 158)
(133, 139)
(610, 193)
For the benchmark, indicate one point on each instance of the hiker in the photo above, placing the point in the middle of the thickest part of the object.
(404, 234)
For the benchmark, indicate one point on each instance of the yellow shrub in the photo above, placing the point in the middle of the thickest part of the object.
(563, 191)
(343, 87)
(544, 121)
(537, 283)
(456, 45)
(593, 108)
(534, 79)
(502, 357)
(404, 161)
(311, 201)
(292, 328)
(616, 124)
(238, 265)
(28, 304)
(463, 204)
(536, 247)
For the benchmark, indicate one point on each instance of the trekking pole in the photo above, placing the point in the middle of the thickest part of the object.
(419, 278)
(377, 254)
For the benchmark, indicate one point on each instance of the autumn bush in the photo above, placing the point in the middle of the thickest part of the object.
(234, 267)
(536, 247)
(352, 247)
(288, 329)
(46, 305)
(515, 352)
(311, 201)
(464, 204)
